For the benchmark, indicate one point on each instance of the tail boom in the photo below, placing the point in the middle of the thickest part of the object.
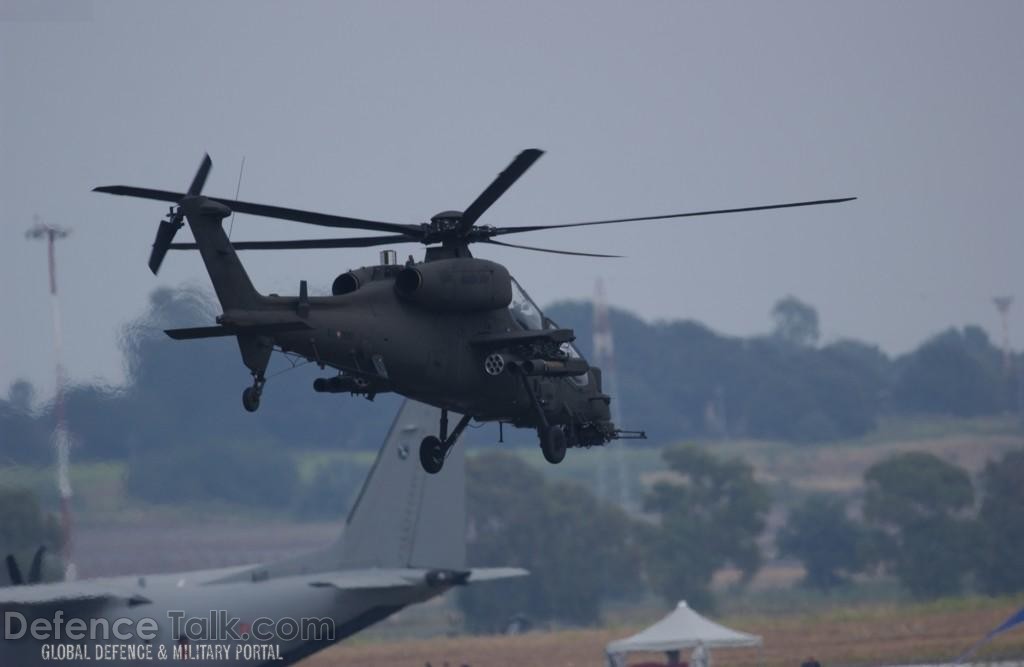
(230, 281)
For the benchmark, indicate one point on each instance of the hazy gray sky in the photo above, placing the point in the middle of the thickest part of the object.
(396, 110)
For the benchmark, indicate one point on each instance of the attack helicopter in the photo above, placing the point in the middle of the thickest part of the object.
(454, 331)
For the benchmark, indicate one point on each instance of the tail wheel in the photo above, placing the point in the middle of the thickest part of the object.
(552, 444)
(432, 452)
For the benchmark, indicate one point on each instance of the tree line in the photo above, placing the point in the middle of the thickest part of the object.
(922, 521)
(676, 379)
(681, 379)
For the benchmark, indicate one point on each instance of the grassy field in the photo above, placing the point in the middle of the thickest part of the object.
(791, 471)
(858, 635)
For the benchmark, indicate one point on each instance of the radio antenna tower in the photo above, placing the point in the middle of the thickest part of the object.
(61, 437)
(604, 357)
(1003, 304)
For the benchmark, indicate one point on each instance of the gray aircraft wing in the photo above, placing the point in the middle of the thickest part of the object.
(376, 578)
(68, 594)
(403, 543)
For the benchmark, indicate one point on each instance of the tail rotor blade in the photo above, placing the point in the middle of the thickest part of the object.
(164, 235)
(168, 228)
(200, 178)
(13, 571)
(35, 572)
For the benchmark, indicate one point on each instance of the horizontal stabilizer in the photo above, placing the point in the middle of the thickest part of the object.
(192, 333)
(376, 578)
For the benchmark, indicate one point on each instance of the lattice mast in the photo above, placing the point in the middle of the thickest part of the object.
(61, 436)
(1003, 304)
(604, 357)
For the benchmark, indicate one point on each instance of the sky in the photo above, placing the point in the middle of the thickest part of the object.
(397, 110)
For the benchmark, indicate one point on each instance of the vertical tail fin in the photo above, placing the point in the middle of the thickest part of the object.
(230, 281)
(404, 517)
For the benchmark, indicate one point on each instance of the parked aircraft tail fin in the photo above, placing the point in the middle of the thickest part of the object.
(405, 528)
(404, 517)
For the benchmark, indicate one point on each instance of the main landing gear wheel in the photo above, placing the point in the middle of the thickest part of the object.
(552, 444)
(251, 398)
(432, 452)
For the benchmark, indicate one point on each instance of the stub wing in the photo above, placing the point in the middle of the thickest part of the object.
(507, 339)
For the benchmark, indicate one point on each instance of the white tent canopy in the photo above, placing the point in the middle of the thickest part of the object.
(683, 628)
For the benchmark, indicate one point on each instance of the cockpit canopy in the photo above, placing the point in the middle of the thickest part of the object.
(527, 315)
(524, 310)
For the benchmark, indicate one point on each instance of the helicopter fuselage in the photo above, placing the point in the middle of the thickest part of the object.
(467, 358)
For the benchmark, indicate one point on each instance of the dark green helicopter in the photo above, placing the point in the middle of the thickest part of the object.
(453, 331)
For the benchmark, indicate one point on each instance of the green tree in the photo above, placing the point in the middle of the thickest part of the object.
(958, 372)
(673, 376)
(1002, 509)
(795, 322)
(920, 507)
(820, 533)
(711, 517)
(24, 438)
(578, 550)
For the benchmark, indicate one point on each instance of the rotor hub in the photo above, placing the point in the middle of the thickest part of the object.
(445, 221)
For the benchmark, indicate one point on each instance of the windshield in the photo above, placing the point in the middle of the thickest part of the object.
(529, 317)
(524, 310)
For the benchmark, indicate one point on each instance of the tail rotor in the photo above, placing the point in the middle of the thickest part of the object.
(174, 220)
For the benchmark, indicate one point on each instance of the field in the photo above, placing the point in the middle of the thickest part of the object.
(874, 624)
(862, 635)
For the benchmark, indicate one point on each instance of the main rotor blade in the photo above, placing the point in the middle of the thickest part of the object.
(200, 178)
(557, 252)
(295, 215)
(533, 228)
(304, 244)
(497, 188)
